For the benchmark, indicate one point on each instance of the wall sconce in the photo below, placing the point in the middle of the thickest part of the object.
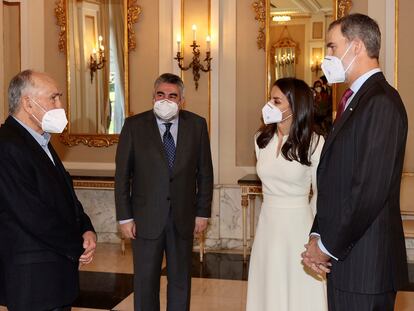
(316, 66)
(195, 63)
(97, 59)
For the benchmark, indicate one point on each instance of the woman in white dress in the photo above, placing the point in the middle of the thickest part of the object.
(287, 152)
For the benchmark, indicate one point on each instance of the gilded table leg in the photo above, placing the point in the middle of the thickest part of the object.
(252, 199)
(245, 205)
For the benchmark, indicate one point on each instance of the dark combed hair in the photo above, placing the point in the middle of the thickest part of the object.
(297, 145)
(171, 79)
(362, 27)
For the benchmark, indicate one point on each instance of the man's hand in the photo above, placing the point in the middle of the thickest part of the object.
(128, 230)
(314, 258)
(200, 225)
(89, 244)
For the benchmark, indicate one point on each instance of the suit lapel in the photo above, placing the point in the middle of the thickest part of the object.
(67, 182)
(154, 136)
(182, 140)
(350, 110)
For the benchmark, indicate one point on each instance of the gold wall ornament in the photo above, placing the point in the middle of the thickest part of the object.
(260, 10)
(60, 14)
(342, 8)
(134, 11)
(88, 140)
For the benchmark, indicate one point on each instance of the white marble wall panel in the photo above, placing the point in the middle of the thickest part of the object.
(99, 204)
(230, 213)
(213, 230)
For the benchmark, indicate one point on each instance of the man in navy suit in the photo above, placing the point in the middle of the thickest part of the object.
(357, 233)
(44, 232)
(163, 193)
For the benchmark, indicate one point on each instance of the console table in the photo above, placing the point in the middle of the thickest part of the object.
(251, 186)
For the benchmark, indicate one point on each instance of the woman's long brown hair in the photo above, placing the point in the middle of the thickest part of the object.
(297, 145)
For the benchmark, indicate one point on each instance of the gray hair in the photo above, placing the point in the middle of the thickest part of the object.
(171, 79)
(17, 87)
(362, 27)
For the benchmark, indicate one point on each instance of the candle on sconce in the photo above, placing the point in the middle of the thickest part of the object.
(194, 28)
(208, 40)
(178, 43)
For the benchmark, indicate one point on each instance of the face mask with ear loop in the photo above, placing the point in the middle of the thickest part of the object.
(165, 109)
(53, 121)
(272, 114)
(333, 68)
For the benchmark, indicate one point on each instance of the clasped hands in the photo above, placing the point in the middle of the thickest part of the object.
(314, 258)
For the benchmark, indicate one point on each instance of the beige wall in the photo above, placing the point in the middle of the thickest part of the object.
(250, 83)
(11, 50)
(196, 12)
(406, 73)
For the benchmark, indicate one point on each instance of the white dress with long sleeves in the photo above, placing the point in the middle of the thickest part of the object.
(278, 281)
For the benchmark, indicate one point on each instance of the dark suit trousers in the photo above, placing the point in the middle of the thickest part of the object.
(148, 255)
(346, 301)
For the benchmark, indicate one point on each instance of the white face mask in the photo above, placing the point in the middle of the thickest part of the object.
(272, 114)
(165, 109)
(53, 121)
(333, 68)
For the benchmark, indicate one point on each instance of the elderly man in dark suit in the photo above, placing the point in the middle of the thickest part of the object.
(44, 232)
(163, 193)
(358, 226)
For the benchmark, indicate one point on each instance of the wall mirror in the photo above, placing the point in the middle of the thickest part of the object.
(293, 34)
(96, 36)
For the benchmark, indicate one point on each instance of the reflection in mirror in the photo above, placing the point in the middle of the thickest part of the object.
(306, 23)
(299, 27)
(95, 34)
(96, 66)
(283, 56)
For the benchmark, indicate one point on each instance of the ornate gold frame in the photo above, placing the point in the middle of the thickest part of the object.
(341, 8)
(132, 11)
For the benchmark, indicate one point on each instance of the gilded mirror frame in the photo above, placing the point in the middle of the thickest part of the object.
(132, 12)
(262, 16)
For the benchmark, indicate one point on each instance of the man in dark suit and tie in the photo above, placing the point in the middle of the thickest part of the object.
(44, 232)
(357, 233)
(163, 193)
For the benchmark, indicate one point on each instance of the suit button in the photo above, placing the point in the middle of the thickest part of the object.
(168, 199)
(171, 179)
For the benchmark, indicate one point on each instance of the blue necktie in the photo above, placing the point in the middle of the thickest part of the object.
(169, 145)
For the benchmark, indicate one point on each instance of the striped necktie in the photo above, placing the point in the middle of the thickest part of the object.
(169, 145)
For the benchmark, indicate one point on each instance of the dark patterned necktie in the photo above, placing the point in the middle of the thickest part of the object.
(341, 107)
(169, 145)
